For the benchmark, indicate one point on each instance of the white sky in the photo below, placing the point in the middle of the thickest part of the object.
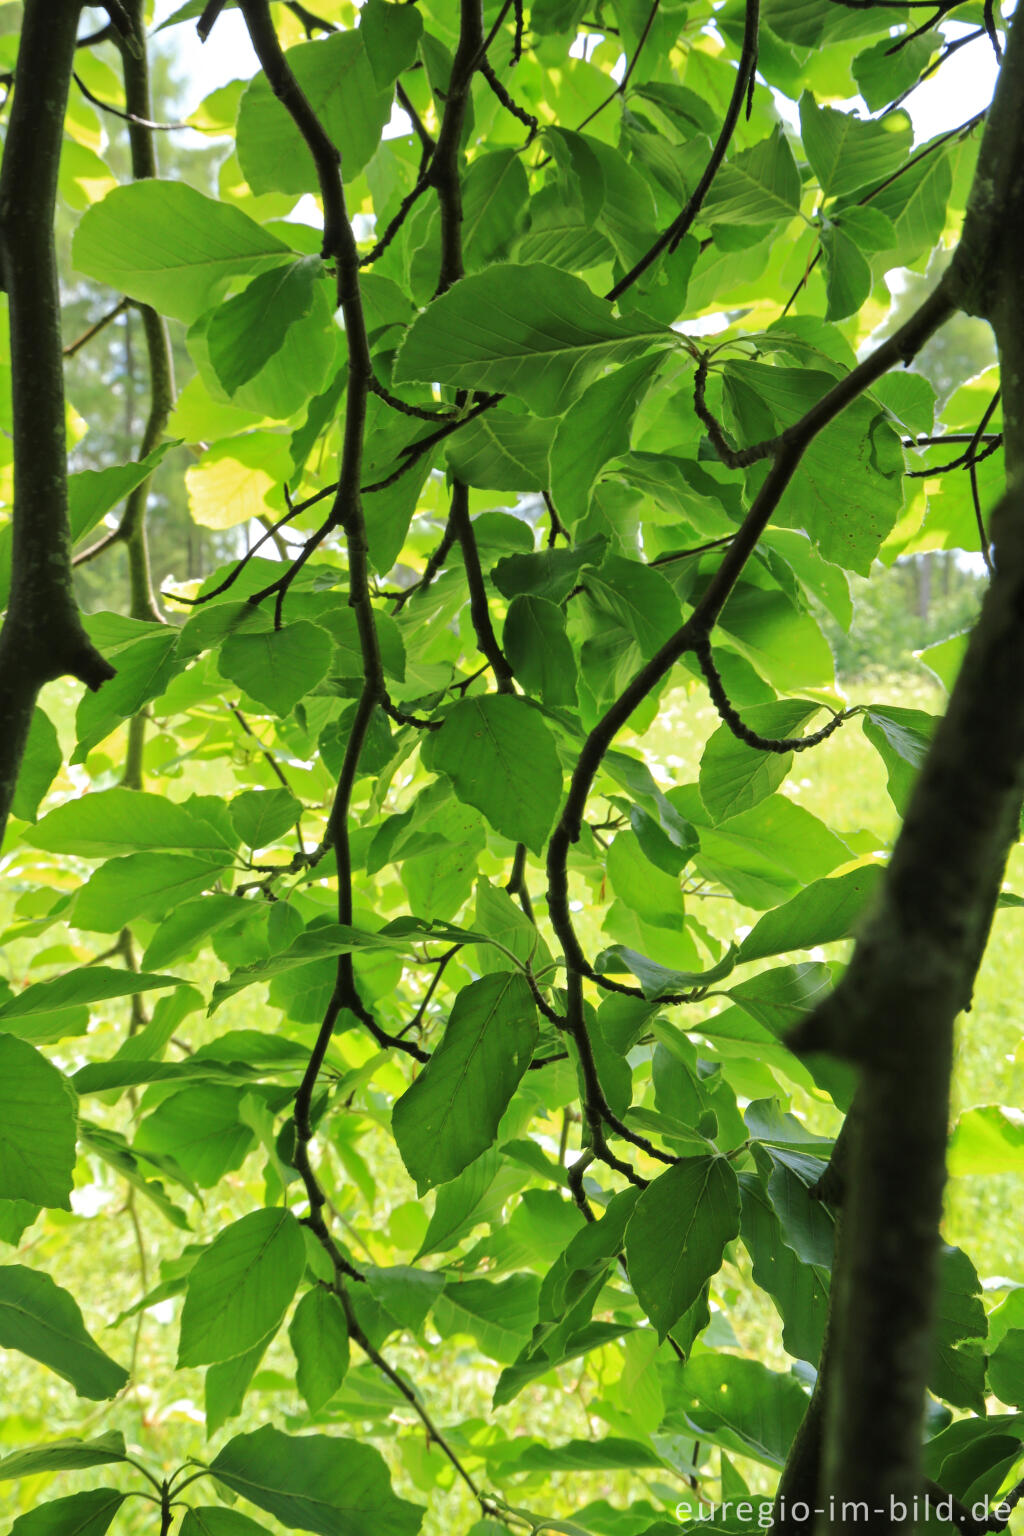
(960, 89)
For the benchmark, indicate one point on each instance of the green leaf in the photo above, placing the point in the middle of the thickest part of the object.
(144, 671)
(494, 197)
(847, 492)
(261, 816)
(337, 79)
(760, 186)
(142, 885)
(847, 273)
(111, 821)
(901, 737)
(531, 331)
(551, 573)
(37, 1127)
(987, 1141)
(501, 758)
(326, 941)
(89, 984)
(92, 493)
(638, 598)
(227, 1382)
(739, 1404)
(64, 1456)
(799, 1291)
(80, 1514)
(164, 243)
(114, 1150)
(657, 980)
(241, 1287)
(40, 1319)
(538, 650)
(882, 74)
(279, 667)
(502, 451)
(650, 893)
(320, 1483)
(200, 1128)
(595, 429)
(246, 331)
(451, 1113)
(217, 1520)
(735, 776)
(16, 1216)
(404, 1291)
(677, 1235)
(499, 1315)
(611, 1453)
(390, 34)
(958, 1359)
(847, 153)
(319, 1340)
(764, 855)
(825, 911)
(39, 766)
(1006, 1368)
(515, 1377)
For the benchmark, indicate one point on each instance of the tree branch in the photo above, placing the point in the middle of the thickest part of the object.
(793, 442)
(729, 714)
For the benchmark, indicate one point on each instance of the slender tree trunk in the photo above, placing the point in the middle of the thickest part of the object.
(42, 636)
(913, 968)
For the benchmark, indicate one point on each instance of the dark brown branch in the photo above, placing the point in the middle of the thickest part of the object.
(469, 55)
(405, 207)
(404, 408)
(326, 158)
(92, 39)
(728, 713)
(434, 1435)
(310, 21)
(508, 101)
(479, 608)
(347, 510)
(204, 26)
(123, 22)
(735, 458)
(426, 139)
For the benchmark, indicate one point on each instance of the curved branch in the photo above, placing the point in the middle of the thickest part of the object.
(900, 347)
(730, 716)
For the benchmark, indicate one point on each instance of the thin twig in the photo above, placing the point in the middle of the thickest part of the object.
(670, 237)
(95, 329)
(128, 117)
(620, 89)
